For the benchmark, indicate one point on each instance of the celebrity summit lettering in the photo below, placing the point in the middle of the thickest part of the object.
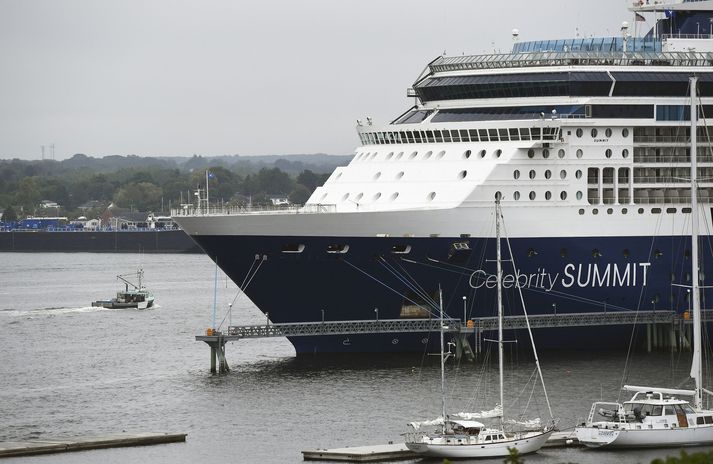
(572, 275)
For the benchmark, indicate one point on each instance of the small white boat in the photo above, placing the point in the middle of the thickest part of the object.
(137, 297)
(657, 417)
(461, 435)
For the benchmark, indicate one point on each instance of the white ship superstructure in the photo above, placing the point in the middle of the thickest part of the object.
(584, 141)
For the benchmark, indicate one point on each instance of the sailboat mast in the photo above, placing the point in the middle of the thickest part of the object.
(443, 364)
(696, 368)
(500, 304)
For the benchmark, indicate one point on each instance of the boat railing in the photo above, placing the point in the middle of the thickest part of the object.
(593, 411)
(687, 36)
(224, 210)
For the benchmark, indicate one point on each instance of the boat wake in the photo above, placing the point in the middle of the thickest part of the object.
(53, 311)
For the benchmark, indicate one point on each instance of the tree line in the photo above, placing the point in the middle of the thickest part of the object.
(141, 185)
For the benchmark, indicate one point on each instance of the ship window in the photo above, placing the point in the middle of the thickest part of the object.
(462, 174)
(464, 136)
(466, 155)
(563, 195)
(641, 211)
(431, 196)
(596, 253)
(293, 248)
(498, 196)
(401, 249)
(399, 175)
(438, 136)
(579, 195)
(624, 211)
(414, 154)
(548, 174)
(545, 153)
(531, 252)
(608, 132)
(581, 212)
(344, 198)
(338, 175)
(390, 155)
(594, 133)
(709, 419)
(377, 195)
(530, 153)
(595, 211)
(427, 155)
(516, 174)
(610, 211)
(359, 196)
(398, 157)
(516, 195)
(580, 132)
(324, 195)
(474, 135)
(563, 252)
(532, 195)
(686, 210)
(377, 175)
(625, 133)
(338, 249)
(394, 196)
(563, 174)
(579, 153)
(578, 174)
(561, 153)
(671, 210)
(548, 195)
(655, 210)
(482, 153)
(625, 153)
(498, 153)
(532, 174)
(441, 154)
(608, 153)
(447, 136)
(374, 155)
(455, 136)
(658, 253)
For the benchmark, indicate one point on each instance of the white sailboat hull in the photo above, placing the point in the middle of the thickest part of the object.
(525, 445)
(595, 437)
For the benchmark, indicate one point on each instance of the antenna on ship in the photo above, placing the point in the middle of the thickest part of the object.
(43, 152)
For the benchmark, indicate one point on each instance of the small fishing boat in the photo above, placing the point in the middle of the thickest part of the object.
(134, 295)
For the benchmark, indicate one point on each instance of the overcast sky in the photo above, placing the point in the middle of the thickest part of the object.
(248, 77)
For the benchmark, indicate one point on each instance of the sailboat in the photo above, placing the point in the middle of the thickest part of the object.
(463, 435)
(659, 417)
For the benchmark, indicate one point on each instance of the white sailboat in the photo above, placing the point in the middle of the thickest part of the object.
(463, 435)
(658, 417)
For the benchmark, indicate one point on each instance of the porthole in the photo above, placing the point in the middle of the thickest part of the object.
(532, 174)
(596, 253)
(338, 249)
(483, 153)
(338, 176)
(579, 153)
(533, 195)
(345, 197)
(498, 196)
(625, 153)
(608, 153)
(594, 133)
(390, 155)
(516, 174)
(498, 153)
(324, 195)
(548, 195)
(595, 211)
(658, 253)
(610, 211)
(578, 174)
(359, 196)
(399, 175)
(415, 154)
(401, 249)
(516, 195)
(563, 174)
(431, 196)
(531, 252)
(466, 155)
(398, 157)
(624, 211)
(561, 153)
(427, 155)
(580, 132)
(655, 210)
(608, 132)
(530, 153)
(545, 153)
(579, 195)
(581, 212)
(671, 210)
(548, 174)
(563, 195)
(441, 154)
(625, 133)
(374, 155)
(293, 248)
(462, 174)
(394, 196)
(377, 195)
(641, 211)
(377, 175)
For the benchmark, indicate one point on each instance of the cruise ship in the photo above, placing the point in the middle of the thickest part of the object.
(585, 143)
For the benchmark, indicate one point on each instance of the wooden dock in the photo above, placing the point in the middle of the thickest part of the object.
(63, 445)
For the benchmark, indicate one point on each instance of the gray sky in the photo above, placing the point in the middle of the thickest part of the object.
(173, 77)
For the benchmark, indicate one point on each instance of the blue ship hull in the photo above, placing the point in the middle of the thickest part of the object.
(566, 275)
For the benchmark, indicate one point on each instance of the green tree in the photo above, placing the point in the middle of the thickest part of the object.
(300, 195)
(9, 215)
(143, 196)
(28, 195)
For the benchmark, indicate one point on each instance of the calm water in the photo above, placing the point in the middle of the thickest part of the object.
(69, 370)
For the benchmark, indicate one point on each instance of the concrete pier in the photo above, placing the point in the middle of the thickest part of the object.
(63, 445)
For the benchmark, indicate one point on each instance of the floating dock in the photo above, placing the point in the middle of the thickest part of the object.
(399, 451)
(63, 445)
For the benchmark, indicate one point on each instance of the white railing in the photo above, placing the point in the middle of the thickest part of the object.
(249, 210)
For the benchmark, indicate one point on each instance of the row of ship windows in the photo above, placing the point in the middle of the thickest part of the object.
(377, 196)
(561, 153)
(533, 195)
(595, 211)
(548, 174)
(607, 133)
(460, 135)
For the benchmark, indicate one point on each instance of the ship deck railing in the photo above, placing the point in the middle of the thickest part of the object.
(473, 325)
(223, 210)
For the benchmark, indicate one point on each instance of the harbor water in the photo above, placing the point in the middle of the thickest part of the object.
(71, 370)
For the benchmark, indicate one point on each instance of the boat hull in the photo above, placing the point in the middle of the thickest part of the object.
(525, 445)
(594, 437)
